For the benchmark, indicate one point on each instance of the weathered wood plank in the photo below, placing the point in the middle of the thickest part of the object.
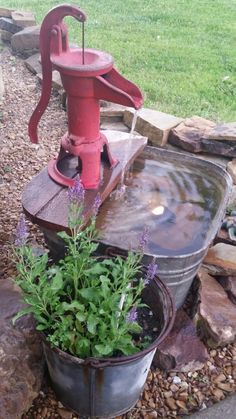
(45, 202)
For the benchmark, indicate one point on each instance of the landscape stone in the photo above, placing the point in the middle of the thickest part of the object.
(216, 316)
(26, 39)
(1, 85)
(152, 124)
(5, 35)
(111, 111)
(56, 80)
(21, 359)
(192, 135)
(7, 24)
(229, 285)
(23, 19)
(182, 350)
(226, 132)
(221, 260)
(232, 198)
(33, 64)
(231, 168)
(117, 125)
(5, 12)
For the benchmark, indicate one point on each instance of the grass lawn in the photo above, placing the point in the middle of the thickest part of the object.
(180, 52)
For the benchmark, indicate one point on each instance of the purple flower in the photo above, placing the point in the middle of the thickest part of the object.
(96, 204)
(21, 232)
(151, 272)
(143, 239)
(76, 193)
(132, 315)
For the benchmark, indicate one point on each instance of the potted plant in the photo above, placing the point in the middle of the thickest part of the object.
(101, 318)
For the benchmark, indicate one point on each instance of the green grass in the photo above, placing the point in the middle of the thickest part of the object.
(182, 53)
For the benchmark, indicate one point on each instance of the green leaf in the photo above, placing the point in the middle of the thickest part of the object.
(90, 294)
(103, 349)
(57, 283)
(91, 324)
(21, 313)
(41, 327)
(81, 316)
(63, 235)
(134, 328)
(73, 305)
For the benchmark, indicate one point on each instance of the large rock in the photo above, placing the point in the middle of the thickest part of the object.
(111, 112)
(56, 80)
(182, 350)
(5, 35)
(192, 135)
(26, 40)
(21, 360)
(5, 12)
(225, 132)
(152, 124)
(229, 285)
(8, 25)
(23, 19)
(221, 260)
(33, 64)
(216, 317)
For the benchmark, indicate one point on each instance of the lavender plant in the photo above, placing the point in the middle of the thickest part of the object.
(85, 305)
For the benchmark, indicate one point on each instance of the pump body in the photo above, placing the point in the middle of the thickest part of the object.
(87, 76)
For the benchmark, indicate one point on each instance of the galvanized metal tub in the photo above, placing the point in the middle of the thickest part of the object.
(178, 271)
(108, 387)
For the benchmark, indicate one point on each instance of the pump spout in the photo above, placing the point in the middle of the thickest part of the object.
(115, 88)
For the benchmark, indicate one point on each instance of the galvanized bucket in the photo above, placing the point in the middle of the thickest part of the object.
(109, 387)
(178, 271)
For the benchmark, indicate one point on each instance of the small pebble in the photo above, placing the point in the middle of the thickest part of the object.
(176, 380)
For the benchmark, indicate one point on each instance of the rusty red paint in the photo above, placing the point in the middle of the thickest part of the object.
(88, 76)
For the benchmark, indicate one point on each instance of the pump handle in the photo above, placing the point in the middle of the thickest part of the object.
(53, 38)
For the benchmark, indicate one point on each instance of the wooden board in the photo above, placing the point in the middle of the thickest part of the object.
(46, 203)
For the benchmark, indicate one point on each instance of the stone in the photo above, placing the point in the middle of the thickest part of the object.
(5, 12)
(1, 85)
(231, 168)
(171, 403)
(33, 64)
(56, 79)
(23, 19)
(152, 124)
(117, 126)
(220, 260)
(216, 316)
(232, 199)
(189, 132)
(182, 350)
(225, 132)
(5, 35)
(26, 39)
(21, 359)
(8, 25)
(229, 285)
(111, 111)
(192, 135)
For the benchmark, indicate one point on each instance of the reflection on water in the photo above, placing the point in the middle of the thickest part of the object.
(176, 203)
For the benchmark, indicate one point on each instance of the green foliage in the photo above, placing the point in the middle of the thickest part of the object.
(179, 52)
(82, 303)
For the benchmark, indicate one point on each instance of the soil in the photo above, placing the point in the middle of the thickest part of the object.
(166, 395)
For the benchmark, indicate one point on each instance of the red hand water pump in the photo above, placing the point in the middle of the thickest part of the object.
(88, 76)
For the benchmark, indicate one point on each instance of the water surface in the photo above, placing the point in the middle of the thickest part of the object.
(176, 203)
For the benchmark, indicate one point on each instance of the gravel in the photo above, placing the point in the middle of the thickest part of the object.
(165, 395)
